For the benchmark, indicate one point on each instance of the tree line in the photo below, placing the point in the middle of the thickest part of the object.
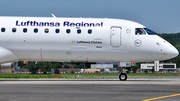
(47, 66)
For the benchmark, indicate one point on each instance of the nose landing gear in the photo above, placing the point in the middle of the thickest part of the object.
(122, 77)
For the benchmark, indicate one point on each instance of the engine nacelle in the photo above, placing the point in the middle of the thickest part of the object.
(8, 67)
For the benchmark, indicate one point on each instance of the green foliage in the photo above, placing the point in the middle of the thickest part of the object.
(81, 65)
(72, 72)
(47, 66)
(66, 67)
(21, 64)
(134, 68)
(44, 66)
(32, 67)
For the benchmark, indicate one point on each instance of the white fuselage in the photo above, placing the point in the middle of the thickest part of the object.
(111, 40)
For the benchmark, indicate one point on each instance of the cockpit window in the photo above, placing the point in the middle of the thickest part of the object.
(140, 31)
(150, 32)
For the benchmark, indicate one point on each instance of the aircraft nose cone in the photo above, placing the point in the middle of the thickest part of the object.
(174, 52)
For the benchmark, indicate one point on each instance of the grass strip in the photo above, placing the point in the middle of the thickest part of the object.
(85, 75)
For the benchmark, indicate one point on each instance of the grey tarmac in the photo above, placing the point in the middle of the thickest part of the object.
(134, 89)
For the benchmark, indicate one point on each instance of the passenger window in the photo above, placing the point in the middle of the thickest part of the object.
(35, 30)
(140, 31)
(46, 30)
(25, 30)
(57, 30)
(89, 31)
(78, 31)
(3, 29)
(68, 31)
(14, 30)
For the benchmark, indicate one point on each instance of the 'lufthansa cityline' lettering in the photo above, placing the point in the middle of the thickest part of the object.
(57, 24)
(90, 42)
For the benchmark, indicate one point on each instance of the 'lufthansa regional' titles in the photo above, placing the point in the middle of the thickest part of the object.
(57, 24)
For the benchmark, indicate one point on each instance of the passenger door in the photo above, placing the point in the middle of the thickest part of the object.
(115, 36)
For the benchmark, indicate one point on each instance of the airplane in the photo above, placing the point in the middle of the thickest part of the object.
(80, 40)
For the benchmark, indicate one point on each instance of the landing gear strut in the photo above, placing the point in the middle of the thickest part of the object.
(122, 77)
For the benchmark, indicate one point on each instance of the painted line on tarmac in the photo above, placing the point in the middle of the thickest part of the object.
(164, 84)
(162, 97)
(170, 84)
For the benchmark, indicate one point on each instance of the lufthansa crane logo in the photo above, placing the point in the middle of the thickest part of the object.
(137, 43)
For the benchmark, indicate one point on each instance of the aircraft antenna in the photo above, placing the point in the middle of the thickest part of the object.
(53, 15)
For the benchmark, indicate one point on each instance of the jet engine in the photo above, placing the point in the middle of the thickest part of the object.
(8, 67)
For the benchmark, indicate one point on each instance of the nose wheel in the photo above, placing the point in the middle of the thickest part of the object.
(122, 77)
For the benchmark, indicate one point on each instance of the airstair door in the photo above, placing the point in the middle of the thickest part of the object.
(115, 36)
